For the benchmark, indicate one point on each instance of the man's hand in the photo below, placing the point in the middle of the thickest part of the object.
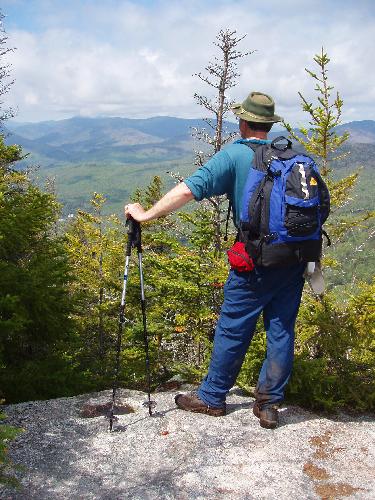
(136, 211)
(174, 199)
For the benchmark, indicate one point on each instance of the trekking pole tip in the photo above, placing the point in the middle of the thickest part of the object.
(112, 418)
(150, 405)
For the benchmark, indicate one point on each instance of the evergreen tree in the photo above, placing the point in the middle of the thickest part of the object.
(34, 277)
(323, 142)
(334, 347)
(95, 246)
(191, 293)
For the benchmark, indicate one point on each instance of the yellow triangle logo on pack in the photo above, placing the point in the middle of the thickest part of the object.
(313, 182)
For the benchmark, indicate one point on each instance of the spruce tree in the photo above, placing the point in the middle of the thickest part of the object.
(334, 343)
(322, 140)
(34, 278)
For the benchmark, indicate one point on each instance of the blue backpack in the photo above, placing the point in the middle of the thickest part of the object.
(285, 203)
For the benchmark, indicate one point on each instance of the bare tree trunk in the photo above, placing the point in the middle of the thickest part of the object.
(221, 75)
(220, 111)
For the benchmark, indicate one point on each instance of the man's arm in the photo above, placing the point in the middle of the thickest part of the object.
(174, 199)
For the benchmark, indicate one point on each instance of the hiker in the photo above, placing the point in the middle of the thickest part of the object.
(274, 291)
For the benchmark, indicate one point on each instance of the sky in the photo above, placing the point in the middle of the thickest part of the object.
(139, 59)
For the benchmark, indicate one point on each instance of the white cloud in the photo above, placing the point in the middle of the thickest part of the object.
(138, 59)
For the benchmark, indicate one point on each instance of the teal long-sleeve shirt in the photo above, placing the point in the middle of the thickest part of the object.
(225, 173)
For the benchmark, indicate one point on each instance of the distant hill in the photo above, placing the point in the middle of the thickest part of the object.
(107, 139)
(114, 156)
(361, 132)
(126, 140)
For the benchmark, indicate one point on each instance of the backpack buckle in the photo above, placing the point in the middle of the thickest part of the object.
(270, 237)
(267, 238)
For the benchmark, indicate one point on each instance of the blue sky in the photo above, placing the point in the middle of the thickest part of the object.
(137, 58)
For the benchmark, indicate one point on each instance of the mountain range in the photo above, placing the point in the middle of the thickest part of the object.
(81, 139)
(124, 140)
(114, 156)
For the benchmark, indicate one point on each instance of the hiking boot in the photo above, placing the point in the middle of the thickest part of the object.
(191, 402)
(268, 416)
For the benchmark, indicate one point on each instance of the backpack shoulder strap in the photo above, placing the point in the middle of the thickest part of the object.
(255, 147)
(279, 148)
(261, 153)
(252, 145)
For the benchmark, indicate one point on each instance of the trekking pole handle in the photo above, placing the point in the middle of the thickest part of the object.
(134, 235)
(130, 231)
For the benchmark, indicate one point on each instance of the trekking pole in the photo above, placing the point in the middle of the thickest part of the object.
(149, 403)
(112, 417)
(134, 240)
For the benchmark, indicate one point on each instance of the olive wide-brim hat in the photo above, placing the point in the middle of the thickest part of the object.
(257, 107)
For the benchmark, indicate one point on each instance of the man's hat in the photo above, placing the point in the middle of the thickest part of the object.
(257, 107)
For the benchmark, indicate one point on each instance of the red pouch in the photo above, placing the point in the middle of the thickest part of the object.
(239, 259)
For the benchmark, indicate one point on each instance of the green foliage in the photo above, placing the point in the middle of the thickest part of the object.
(9, 154)
(7, 433)
(321, 139)
(34, 277)
(334, 364)
(95, 245)
(183, 293)
(335, 352)
(189, 280)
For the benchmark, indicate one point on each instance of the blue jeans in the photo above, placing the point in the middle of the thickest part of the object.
(276, 292)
